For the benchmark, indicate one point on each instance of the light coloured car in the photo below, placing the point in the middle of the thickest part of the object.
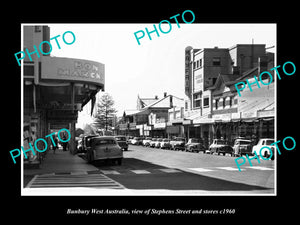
(265, 152)
(136, 141)
(152, 142)
(146, 141)
(165, 144)
(157, 143)
(242, 147)
(104, 147)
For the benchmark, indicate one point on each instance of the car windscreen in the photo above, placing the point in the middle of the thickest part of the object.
(269, 142)
(120, 138)
(220, 142)
(100, 142)
(179, 139)
(244, 142)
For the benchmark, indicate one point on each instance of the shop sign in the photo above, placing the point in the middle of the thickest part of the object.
(236, 115)
(160, 125)
(58, 68)
(222, 117)
(249, 114)
(265, 113)
(132, 126)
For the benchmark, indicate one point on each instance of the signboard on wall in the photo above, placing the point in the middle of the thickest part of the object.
(57, 68)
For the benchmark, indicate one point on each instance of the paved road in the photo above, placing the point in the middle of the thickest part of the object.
(148, 170)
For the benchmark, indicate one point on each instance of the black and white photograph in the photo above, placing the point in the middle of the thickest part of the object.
(148, 113)
(129, 109)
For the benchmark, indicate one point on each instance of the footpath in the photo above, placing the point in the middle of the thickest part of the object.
(60, 162)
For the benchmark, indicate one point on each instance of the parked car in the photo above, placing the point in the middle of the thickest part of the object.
(121, 140)
(146, 141)
(152, 142)
(136, 141)
(79, 146)
(265, 142)
(194, 145)
(85, 142)
(178, 143)
(165, 144)
(242, 147)
(220, 146)
(129, 139)
(104, 147)
(157, 143)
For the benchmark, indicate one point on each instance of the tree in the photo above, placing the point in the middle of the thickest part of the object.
(105, 111)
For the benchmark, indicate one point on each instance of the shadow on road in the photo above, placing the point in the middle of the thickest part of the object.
(180, 180)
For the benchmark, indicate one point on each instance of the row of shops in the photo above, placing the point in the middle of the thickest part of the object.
(252, 117)
(207, 129)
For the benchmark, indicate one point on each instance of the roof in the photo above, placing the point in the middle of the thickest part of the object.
(257, 100)
(227, 79)
(146, 101)
(129, 112)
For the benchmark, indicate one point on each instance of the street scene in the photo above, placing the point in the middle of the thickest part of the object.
(177, 122)
(157, 171)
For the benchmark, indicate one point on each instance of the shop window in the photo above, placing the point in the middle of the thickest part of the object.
(206, 102)
(216, 103)
(230, 101)
(197, 100)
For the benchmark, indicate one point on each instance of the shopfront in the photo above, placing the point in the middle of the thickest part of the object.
(54, 90)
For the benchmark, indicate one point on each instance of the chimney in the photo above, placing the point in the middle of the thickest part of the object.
(165, 94)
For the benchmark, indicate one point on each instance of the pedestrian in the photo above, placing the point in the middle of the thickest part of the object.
(56, 144)
(65, 144)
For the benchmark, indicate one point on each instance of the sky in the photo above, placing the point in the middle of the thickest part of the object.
(155, 66)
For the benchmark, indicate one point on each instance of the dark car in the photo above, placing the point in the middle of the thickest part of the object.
(152, 142)
(220, 146)
(104, 148)
(85, 142)
(178, 143)
(121, 140)
(194, 145)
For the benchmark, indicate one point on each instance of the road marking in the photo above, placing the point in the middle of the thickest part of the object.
(79, 173)
(110, 172)
(169, 170)
(140, 171)
(69, 180)
(260, 168)
(200, 169)
(229, 168)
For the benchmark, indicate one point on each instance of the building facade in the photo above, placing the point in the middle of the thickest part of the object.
(212, 107)
(150, 118)
(54, 90)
